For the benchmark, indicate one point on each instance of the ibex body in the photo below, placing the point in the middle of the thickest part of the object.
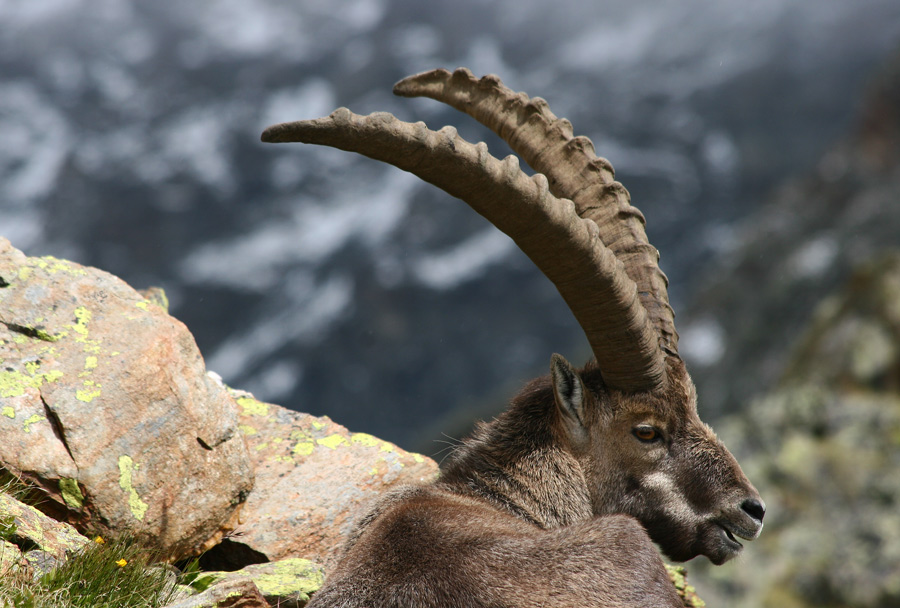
(559, 500)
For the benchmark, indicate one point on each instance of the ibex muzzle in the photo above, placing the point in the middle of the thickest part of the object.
(556, 501)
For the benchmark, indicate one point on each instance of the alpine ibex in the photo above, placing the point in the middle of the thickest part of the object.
(558, 501)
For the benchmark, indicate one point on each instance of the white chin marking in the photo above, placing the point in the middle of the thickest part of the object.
(672, 498)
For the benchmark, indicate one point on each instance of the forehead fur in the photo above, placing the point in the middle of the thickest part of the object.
(678, 398)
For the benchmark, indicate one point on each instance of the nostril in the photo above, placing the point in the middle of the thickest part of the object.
(755, 508)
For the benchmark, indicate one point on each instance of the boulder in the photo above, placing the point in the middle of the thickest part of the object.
(31, 540)
(237, 593)
(105, 404)
(288, 583)
(314, 478)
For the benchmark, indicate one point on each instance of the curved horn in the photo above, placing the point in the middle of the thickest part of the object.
(565, 247)
(548, 145)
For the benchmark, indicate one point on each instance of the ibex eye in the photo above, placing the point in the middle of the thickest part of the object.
(646, 434)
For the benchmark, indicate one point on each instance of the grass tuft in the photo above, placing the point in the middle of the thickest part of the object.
(116, 573)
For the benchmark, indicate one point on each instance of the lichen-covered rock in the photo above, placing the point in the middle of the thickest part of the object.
(314, 478)
(233, 593)
(286, 583)
(30, 539)
(687, 593)
(105, 403)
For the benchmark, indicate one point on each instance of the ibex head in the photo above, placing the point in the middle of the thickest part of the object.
(627, 424)
(650, 456)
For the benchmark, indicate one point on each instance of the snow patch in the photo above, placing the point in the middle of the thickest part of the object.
(314, 232)
(813, 258)
(303, 321)
(702, 342)
(33, 147)
(466, 261)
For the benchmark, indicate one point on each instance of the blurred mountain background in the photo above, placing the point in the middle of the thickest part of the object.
(331, 284)
(761, 140)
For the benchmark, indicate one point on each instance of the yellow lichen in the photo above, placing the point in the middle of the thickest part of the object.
(332, 441)
(90, 391)
(252, 407)
(82, 318)
(304, 448)
(126, 469)
(8, 411)
(293, 577)
(53, 265)
(26, 426)
(13, 383)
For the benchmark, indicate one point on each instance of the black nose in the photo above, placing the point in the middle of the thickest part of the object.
(755, 508)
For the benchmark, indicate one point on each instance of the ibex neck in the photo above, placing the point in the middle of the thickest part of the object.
(516, 463)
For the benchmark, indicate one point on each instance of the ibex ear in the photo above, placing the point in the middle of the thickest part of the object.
(570, 395)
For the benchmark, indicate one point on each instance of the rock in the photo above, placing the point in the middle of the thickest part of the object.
(238, 593)
(106, 405)
(30, 539)
(314, 478)
(287, 583)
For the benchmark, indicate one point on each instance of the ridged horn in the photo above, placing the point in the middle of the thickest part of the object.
(565, 247)
(573, 171)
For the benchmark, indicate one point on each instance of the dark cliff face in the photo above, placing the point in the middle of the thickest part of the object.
(332, 285)
(797, 248)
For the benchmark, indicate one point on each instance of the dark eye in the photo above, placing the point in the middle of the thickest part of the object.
(647, 434)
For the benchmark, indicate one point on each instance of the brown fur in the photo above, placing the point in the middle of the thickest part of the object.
(555, 503)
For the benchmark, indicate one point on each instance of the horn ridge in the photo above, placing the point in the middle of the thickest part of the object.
(548, 144)
(564, 246)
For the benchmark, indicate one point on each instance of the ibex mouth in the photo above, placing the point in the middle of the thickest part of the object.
(729, 536)
(732, 532)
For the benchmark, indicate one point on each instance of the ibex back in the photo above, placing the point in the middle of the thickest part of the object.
(559, 500)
